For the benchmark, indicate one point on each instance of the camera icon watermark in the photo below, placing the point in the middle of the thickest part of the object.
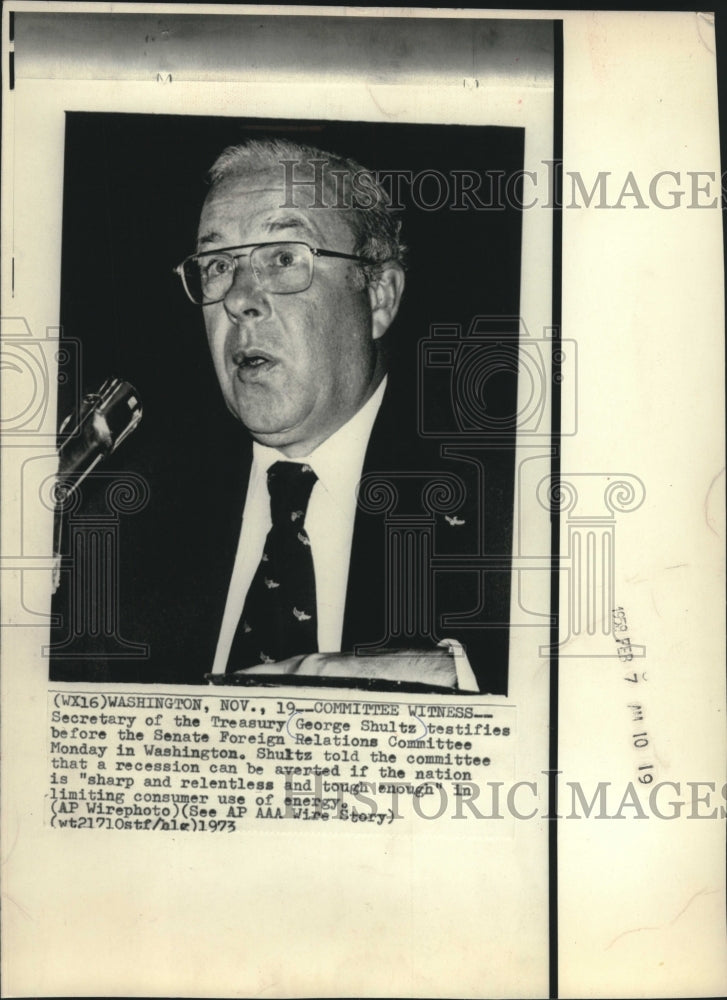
(493, 380)
(30, 366)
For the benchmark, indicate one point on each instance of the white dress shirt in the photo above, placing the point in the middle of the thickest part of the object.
(329, 521)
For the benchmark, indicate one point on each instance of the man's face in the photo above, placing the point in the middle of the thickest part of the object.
(292, 367)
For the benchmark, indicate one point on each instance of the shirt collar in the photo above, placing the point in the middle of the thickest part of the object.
(337, 461)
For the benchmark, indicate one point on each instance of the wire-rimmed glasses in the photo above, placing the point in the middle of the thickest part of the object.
(281, 268)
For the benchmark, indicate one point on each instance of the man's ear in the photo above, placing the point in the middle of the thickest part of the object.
(384, 297)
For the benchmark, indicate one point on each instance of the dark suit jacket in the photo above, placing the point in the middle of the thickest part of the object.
(434, 563)
(430, 559)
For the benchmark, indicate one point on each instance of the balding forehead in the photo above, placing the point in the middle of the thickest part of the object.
(255, 205)
(296, 181)
(252, 181)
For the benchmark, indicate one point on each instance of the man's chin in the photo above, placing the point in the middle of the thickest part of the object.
(268, 424)
(272, 434)
(259, 412)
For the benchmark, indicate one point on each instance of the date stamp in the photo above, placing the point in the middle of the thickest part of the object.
(620, 634)
(641, 740)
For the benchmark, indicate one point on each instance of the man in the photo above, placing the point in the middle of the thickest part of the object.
(299, 271)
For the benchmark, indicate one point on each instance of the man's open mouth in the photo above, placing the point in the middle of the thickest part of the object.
(253, 361)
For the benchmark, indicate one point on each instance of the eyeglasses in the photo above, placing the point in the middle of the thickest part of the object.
(280, 268)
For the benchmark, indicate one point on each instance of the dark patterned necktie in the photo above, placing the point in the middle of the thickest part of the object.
(279, 618)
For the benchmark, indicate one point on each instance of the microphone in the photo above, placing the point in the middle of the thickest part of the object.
(105, 419)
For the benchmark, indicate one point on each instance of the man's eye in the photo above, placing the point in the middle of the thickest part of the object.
(215, 267)
(286, 257)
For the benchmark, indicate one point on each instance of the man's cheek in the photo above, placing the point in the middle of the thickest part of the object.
(217, 352)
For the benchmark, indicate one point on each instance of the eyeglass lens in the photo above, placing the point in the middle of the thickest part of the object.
(280, 267)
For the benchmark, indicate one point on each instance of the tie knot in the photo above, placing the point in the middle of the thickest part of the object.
(290, 485)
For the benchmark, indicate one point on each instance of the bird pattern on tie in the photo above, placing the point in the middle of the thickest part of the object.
(279, 618)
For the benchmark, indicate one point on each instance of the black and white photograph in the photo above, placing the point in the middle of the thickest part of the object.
(362, 468)
(407, 541)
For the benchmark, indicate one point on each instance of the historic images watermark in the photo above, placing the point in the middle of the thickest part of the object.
(378, 801)
(372, 804)
(485, 190)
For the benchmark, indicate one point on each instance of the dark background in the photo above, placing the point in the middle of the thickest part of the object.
(133, 189)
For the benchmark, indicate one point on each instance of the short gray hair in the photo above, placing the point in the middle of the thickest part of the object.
(374, 225)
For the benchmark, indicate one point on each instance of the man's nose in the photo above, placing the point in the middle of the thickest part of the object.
(245, 298)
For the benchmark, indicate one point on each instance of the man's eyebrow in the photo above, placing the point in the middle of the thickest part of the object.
(289, 222)
(208, 238)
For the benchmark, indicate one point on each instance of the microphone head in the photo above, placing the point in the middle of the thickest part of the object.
(119, 408)
(106, 418)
